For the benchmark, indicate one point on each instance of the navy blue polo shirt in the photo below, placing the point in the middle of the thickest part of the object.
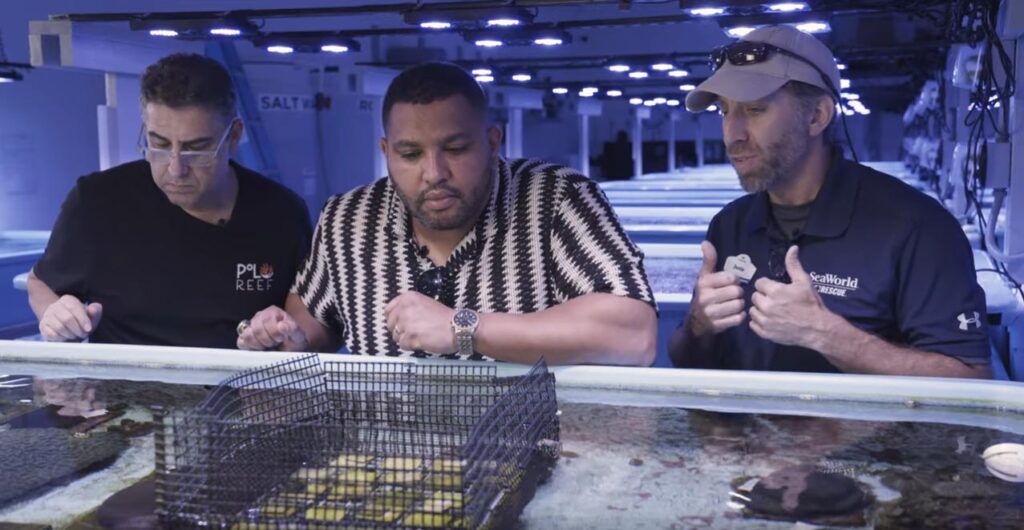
(886, 257)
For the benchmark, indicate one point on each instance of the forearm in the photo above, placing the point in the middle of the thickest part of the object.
(318, 338)
(687, 349)
(855, 351)
(592, 329)
(40, 296)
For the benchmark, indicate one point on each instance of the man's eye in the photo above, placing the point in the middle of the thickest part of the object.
(457, 149)
(755, 110)
(412, 155)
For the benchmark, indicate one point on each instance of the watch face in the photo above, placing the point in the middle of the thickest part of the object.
(465, 318)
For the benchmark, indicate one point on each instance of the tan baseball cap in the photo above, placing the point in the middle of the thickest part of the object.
(755, 81)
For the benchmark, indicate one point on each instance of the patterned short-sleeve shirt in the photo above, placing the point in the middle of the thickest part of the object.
(546, 236)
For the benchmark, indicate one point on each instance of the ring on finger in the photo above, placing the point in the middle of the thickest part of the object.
(242, 326)
(397, 334)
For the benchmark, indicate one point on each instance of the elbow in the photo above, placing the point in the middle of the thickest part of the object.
(643, 345)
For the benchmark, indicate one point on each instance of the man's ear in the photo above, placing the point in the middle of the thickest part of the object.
(235, 136)
(824, 112)
(494, 137)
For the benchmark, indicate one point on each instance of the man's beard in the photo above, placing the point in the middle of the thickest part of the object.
(777, 162)
(465, 211)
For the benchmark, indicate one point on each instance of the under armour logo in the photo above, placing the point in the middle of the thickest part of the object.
(966, 322)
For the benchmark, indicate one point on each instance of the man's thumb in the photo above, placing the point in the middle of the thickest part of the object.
(710, 258)
(793, 265)
(95, 312)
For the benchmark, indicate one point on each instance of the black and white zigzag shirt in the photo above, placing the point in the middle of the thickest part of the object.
(547, 235)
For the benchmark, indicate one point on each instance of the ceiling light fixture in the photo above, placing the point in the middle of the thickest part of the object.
(639, 74)
(787, 7)
(707, 11)
(678, 73)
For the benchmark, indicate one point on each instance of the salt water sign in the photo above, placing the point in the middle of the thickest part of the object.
(286, 103)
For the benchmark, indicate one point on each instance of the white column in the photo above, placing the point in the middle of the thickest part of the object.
(638, 139)
(584, 145)
(119, 120)
(698, 140)
(672, 118)
(514, 132)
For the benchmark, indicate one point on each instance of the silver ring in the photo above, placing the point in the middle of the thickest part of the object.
(242, 326)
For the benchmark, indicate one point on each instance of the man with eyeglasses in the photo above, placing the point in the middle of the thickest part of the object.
(827, 265)
(462, 254)
(174, 249)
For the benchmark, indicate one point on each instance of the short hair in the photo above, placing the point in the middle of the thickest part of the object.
(429, 82)
(807, 97)
(187, 79)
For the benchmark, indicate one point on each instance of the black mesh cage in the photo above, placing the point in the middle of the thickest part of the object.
(304, 444)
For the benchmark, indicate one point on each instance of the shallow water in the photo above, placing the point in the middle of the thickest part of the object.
(634, 467)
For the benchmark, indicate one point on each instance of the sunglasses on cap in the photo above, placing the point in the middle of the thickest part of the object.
(743, 53)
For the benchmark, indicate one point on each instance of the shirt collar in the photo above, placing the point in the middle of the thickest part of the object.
(399, 224)
(832, 209)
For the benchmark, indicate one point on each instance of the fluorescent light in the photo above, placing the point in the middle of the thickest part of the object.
(660, 101)
(484, 79)
(548, 41)
(713, 108)
(585, 94)
(841, 66)
(639, 74)
(706, 11)
(560, 90)
(814, 27)
(163, 33)
(662, 67)
(865, 112)
(280, 48)
(850, 96)
(590, 89)
(678, 73)
(482, 71)
(6, 80)
(844, 84)
(334, 48)
(613, 93)
(649, 103)
(488, 43)
(435, 24)
(687, 87)
(636, 101)
(226, 32)
(672, 103)
(522, 78)
(787, 7)
(739, 31)
(503, 22)
(848, 112)
(619, 68)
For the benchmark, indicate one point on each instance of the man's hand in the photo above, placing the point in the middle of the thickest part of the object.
(791, 314)
(717, 299)
(68, 319)
(418, 322)
(270, 328)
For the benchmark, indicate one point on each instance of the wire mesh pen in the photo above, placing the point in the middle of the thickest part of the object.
(305, 444)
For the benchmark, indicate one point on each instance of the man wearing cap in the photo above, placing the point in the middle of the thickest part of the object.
(826, 265)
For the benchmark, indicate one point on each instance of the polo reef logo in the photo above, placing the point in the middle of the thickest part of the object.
(833, 284)
(966, 323)
(253, 277)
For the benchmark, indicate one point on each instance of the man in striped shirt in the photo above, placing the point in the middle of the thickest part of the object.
(462, 254)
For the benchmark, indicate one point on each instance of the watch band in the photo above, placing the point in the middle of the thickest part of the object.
(464, 341)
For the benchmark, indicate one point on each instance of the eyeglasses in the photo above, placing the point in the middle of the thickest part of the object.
(743, 53)
(162, 157)
(777, 261)
(435, 283)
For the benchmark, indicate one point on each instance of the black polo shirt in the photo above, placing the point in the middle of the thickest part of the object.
(163, 276)
(886, 257)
